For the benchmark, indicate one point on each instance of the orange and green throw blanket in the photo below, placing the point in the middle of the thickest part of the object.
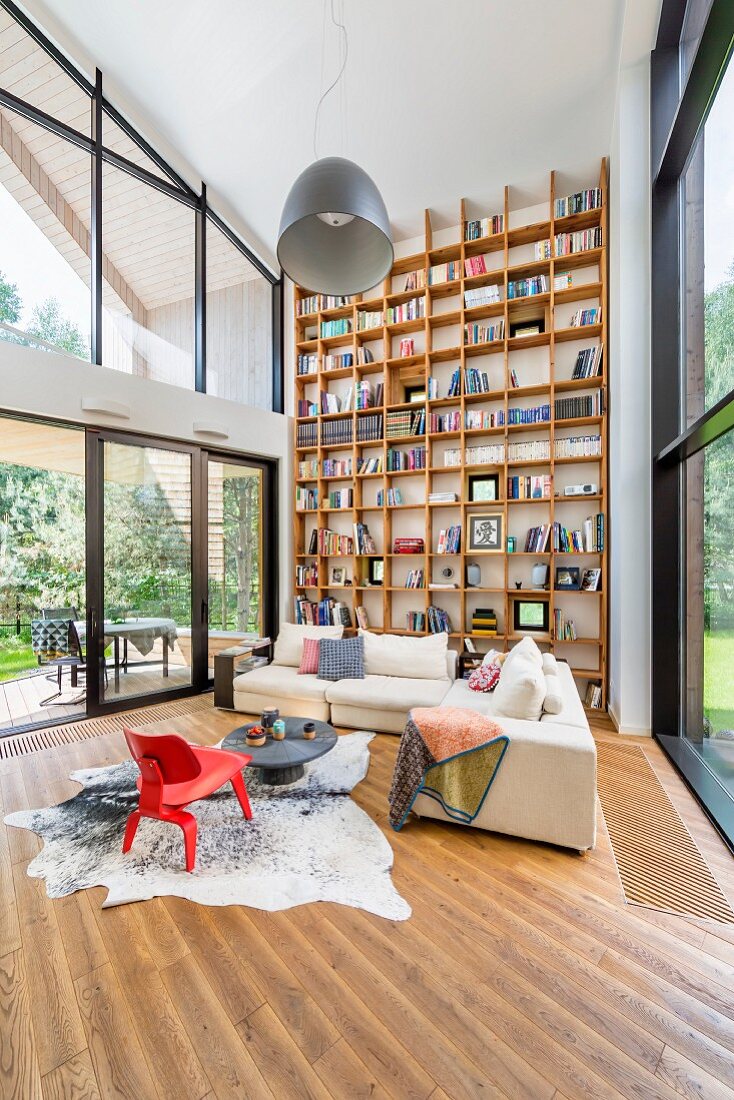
(449, 754)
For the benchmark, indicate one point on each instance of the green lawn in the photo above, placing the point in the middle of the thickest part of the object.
(16, 657)
(718, 687)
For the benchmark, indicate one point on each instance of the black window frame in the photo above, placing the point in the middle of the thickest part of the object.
(173, 185)
(679, 108)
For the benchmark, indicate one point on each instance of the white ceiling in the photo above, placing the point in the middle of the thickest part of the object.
(442, 99)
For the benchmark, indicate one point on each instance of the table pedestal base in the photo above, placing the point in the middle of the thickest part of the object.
(278, 777)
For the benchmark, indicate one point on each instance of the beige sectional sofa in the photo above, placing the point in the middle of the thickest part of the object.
(546, 786)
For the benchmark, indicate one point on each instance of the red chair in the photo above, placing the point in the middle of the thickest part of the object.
(174, 773)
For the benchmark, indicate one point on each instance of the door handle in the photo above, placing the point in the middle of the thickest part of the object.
(204, 611)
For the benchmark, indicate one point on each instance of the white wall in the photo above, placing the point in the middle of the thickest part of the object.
(47, 385)
(629, 395)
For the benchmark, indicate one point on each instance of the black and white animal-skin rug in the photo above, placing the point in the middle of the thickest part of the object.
(306, 842)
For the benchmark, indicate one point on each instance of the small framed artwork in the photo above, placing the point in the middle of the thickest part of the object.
(486, 533)
(527, 328)
(590, 580)
(416, 395)
(376, 571)
(484, 487)
(530, 615)
(338, 576)
(567, 578)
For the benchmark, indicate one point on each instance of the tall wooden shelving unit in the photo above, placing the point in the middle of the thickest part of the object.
(440, 348)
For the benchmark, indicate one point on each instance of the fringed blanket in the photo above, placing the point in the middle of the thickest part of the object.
(449, 754)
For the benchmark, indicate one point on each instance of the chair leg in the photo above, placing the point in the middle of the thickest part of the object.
(130, 829)
(241, 791)
(187, 823)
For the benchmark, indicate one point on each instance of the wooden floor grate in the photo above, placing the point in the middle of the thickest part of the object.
(659, 863)
(22, 744)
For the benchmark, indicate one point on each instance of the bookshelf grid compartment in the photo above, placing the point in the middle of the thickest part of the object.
(424, 299)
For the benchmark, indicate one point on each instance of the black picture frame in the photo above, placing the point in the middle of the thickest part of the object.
(517, 611)
(476, 481)
(376, 573)
(416, 395)
(534, 327)
(575, 578)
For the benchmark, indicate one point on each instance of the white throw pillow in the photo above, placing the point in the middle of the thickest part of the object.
(289, 643)
(553, 702)
(521, 690)
(550, 665)
(413, 658)
(527, 648)
(491, 656)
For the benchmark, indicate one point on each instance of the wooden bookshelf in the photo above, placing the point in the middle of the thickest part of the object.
(543, 363)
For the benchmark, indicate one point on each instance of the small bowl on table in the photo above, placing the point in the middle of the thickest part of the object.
(255, 737)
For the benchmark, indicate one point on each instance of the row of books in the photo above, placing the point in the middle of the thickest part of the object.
(415, 280)
(537, 539)
(478, 333)
(370, 465)
(307, 363)
(514, 379)
(588, 363)
(578, 202)
(449, 540)
(340, 327)
(306, 408)
(593, 696)
(338, 362)
(309, 468)
(336, 467)
(490, 454)
(543, 250)
(444, 422)
(564, 630)
(307, 576)
(330, 543)
(483, 296)
(438, 621)
(306, 499)
(529, 487)
(332, 403)
(454, 384)
(369, 428)
(405, 422)
(582, 241)
(577, 446)
(415, 622)
(527, 288)
(585, 317)
(341, 498)
(444, 273)
(481, 418)
(362, 618)
(394, 497)
(315, 302)
(442, 497)
(414, 579)
(363, 541)
(536, 414)
(477, 228)
(367, 396)
(475, 381)
(367, 319)
(530, 450)
(414, 459)
(588, 404)
(589, 539)
(335, 432)
(327, 612)
(475, 265)
(307, 435)
(406, 311)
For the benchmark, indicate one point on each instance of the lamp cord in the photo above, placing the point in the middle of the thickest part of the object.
(338, 77)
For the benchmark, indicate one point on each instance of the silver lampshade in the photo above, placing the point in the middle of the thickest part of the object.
(334, 233)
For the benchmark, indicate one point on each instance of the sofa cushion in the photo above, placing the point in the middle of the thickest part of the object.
(485, 678)
(289, 643)
(553, 702)
(521, 690)
(394, 655)
(550, 664)
(396, 693)
(341, 659)
(310, 657)
(281, 681)
(524, 650)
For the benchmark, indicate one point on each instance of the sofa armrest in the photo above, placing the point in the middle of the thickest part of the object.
(451, 661)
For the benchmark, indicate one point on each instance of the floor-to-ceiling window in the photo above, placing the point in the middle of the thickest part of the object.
(693, 397)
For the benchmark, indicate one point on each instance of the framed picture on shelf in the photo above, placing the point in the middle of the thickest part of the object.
(486, 533)
(376, 573)
(416, 395)
(527, 328)
(567, 578)
(484, 487)
(337, 576)
(590, 580)
(530, 615)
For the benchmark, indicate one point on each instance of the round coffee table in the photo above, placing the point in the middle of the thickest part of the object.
(281, 762)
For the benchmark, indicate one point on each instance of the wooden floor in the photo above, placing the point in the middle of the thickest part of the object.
(522, 973)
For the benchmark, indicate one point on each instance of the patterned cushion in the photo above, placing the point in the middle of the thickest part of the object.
(485, 678)
(341, 660)
(310, 659)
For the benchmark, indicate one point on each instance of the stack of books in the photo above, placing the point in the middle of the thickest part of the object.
(449, 540)
(593, 696)
(408, 546)
(483, 296)
(442, 498)
(484, 621)
(404, 422)
(438, 621)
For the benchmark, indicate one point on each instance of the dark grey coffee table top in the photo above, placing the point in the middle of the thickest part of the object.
(292, 751)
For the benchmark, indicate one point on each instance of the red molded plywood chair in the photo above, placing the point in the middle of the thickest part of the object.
(174, 773)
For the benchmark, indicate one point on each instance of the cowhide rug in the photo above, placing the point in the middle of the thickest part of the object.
(306, 842)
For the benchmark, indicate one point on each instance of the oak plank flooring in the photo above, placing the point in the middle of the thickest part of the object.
(522, 972)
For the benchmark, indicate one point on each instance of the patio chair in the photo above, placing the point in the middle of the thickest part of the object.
(56, 643)
(173, 774)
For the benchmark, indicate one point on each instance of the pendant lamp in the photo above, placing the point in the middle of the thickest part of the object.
(334, 235)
